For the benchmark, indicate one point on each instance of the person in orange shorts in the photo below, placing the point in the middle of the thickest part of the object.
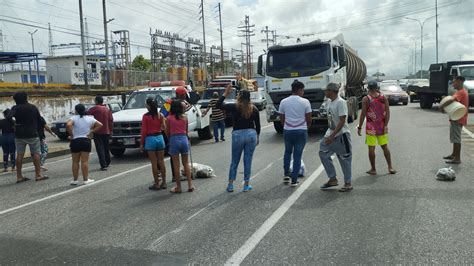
(375, 107)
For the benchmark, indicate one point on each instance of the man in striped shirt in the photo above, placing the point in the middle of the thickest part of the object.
(217, 117)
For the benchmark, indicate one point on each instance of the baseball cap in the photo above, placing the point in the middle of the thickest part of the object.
(181, 91)
(372, 84)
(332, 87)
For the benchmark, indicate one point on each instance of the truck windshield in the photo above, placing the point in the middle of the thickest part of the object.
(207, 95)
(304, 61)
(138, 99)
(468, 72)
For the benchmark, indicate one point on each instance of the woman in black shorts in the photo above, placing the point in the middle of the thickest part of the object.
(81, 128)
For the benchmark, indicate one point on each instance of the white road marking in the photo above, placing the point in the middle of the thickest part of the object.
(74, 189)
(48, 163)
(263, 230)
(267, 126)
(468, 132)
(201, 210)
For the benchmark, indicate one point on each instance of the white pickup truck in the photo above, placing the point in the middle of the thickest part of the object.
(127, 122)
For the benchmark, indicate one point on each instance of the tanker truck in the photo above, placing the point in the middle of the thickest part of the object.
(316, 64)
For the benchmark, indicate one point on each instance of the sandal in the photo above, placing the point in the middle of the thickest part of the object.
(370, 172)
(41, 178)
(191, 189)
(453, 162)
(328, 185)
(175, 190)
(154, 187)
(392, 172)
(24, 179)
(163, 185)
(346, 188)
(449, 157)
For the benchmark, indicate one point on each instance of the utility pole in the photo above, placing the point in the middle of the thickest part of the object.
(88, 41)
(222, 42)
(436, 10)
(274, 37)
(106, 40)
(50, 40)
(204, 40)
(247, 31)
(83, 46)
(267, 40)
(32, 40)
(1, 41)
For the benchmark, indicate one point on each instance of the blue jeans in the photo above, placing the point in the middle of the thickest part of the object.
(7, 140)
(243, 140)
(295, 140)
(216, 126)
(342, 147)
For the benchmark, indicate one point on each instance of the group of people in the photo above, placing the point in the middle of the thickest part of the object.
(24, 126)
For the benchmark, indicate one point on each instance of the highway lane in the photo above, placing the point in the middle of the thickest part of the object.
(392, 219)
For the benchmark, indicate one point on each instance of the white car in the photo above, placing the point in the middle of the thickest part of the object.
(127, 122)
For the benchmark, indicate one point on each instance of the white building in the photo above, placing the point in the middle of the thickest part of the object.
(69, 70)
(23, 76)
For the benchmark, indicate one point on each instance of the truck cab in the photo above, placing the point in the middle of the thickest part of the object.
(467, 71)
(127, 122)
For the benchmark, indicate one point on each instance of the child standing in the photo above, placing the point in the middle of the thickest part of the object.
(7, 141)
(43, 144)
(177, 131)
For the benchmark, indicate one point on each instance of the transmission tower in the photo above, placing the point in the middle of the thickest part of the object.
(123, 55)
(248, 32)
(267, 38)
(50, 40)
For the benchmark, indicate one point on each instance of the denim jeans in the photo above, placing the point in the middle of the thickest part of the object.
(295, 140)
(342, 147)
(216, 126)
(243, 140)
(7, 140)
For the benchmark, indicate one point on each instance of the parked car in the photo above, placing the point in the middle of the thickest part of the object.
(258, 99)
(394, 94)
(403, 83)
(59, 126)
(207, 96)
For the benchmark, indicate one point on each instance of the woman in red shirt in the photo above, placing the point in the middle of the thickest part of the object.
(153, 125)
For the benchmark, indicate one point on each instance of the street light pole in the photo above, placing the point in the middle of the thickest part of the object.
(422, 24)
(436, 8)
(32, 40)
(83, 46)
(106, 42)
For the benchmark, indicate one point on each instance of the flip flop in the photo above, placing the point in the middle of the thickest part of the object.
(328, 185)
(24, 179)
(453, 162)
(392, 172)
(371, 173)
(154, 187)
(345, 189)
(449, 157)
(175, 191)
(42, 178)
(191, 189)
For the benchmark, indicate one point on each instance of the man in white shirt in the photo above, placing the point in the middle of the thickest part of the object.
(336, 140)
(295, 115)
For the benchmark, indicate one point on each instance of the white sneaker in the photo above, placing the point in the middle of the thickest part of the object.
(74, 183)
(88, 181)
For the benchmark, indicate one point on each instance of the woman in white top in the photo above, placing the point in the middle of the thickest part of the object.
(81, 128)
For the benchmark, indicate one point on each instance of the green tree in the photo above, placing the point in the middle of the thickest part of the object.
(140, 63)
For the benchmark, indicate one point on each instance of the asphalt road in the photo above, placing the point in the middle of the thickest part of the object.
(407, 218)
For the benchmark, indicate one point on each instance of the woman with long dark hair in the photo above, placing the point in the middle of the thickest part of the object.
(152, 141)
(7, 141)
(246, 125)
(81, 128)
(177, 131)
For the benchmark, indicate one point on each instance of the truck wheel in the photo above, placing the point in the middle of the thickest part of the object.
(278, 127)
(426, 102)
(117, 152)
(205, 133)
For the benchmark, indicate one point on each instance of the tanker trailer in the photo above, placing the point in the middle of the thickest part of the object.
(316, 64)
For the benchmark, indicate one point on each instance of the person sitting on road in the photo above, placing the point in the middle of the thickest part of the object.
(295, 114)
(81, 128)
(455, 131)
(245, 136)
(7, 141)
(152, 141)
(217, 117)
(376, 108)
(336, 140)
(177, 131)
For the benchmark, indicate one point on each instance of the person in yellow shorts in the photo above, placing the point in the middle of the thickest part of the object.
(376, 112)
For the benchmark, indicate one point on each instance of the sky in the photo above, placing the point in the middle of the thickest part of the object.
(377, 29)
